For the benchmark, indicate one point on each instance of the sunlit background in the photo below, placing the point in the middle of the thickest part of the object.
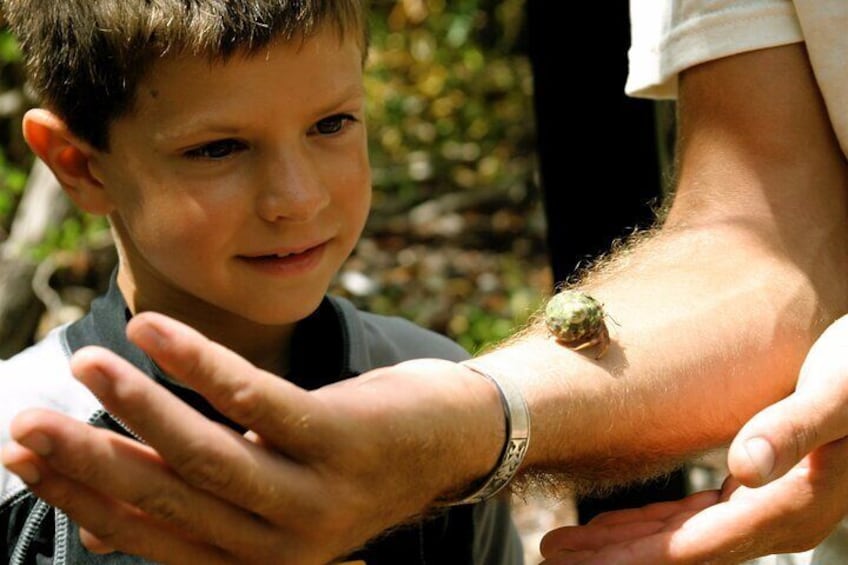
(455, 239)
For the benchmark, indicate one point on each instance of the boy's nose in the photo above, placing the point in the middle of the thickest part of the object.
(292, 191)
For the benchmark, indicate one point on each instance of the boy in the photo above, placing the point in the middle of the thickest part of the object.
(226, 143)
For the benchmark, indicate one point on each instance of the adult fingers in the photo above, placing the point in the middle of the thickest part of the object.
(120, 468)
(93, 543)
(216, 527)
(346, 491)
(624, 525)
(687, 538)
(778, 437)
(284, 415)
(792, 513)
(206, 455)
(658, 510)
(568, 558)
(592, 537)
(116, 525)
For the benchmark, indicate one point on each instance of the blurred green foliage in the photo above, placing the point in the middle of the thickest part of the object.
(449, 109)
(449, 93)
(448, 97)
(12, 181)
(13, 164)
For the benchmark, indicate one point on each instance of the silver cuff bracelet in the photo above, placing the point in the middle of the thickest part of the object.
(517, 417)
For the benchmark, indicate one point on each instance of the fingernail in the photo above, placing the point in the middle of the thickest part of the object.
(761, 455)
(26, 471)
(38, 443)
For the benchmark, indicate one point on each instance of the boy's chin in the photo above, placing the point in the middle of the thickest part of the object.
(288, 314)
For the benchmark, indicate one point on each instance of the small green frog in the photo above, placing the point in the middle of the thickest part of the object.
(577, 321)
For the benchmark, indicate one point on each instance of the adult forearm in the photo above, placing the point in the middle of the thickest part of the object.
(710, 317)
(695, 352)
(693, 356)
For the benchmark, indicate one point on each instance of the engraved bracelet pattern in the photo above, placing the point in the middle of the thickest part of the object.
(517, 416)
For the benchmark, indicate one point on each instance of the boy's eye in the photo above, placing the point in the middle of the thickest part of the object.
(332, 124)
(216, 150)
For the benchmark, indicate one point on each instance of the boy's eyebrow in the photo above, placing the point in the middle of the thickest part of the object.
(202, 125)
(213, 124)
(354, 91)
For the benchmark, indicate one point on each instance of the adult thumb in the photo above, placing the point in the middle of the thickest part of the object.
(781, 435)
(774, 441)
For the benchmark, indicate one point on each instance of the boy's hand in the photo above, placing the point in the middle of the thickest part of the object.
(198, 492)
(787, 505)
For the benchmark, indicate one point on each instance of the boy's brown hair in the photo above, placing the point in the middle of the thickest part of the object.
(85, 58)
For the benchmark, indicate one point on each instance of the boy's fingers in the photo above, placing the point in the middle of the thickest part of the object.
(283, 414)
(120, 468)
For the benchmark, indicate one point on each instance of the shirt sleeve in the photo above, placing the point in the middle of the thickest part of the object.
(668, 37)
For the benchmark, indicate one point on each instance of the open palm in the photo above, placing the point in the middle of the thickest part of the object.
(792, 513)
(801, 481)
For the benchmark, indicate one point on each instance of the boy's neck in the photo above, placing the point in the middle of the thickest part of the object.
(266, 346)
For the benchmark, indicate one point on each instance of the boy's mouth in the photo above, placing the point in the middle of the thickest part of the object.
(287, 260)
(284, 252)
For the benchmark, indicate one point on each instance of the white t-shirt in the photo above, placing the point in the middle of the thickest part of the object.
(670, 36)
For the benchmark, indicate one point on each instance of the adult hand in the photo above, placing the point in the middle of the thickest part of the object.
(315, 478)
(792, 459)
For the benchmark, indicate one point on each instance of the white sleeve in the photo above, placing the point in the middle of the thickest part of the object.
(39, 377)
(668, 36)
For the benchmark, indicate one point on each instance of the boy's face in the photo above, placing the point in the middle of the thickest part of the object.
(240, 187)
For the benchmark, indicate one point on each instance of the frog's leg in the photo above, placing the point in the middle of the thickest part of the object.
(602, 340)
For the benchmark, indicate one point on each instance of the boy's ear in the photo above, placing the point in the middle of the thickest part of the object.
(68, 157)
